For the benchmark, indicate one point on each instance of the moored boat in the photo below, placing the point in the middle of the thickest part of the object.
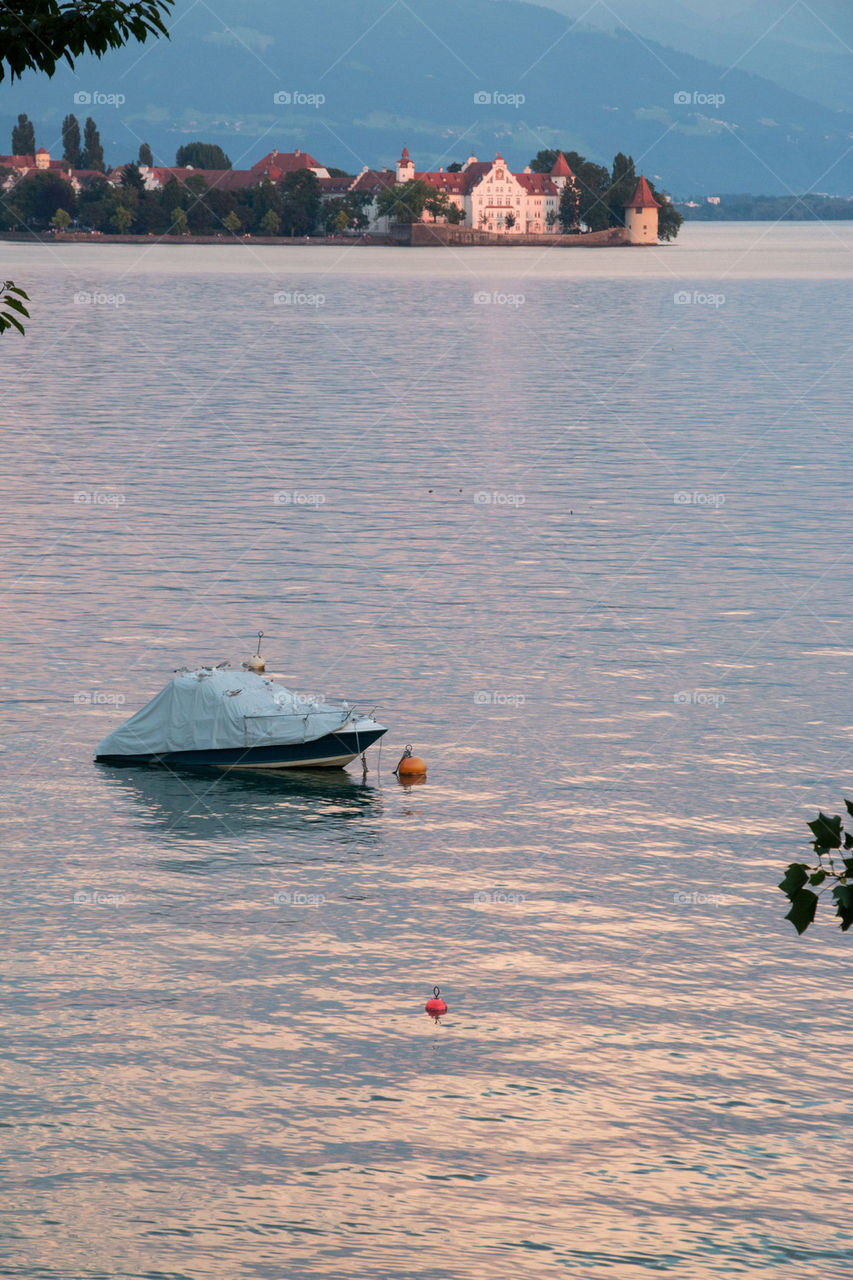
(217, 718)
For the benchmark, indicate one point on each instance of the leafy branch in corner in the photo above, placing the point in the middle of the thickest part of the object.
(830, 839)
(36, 35)
(11, 306)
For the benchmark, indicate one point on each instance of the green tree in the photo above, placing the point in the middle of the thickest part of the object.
(171, 196)
(670, 219)
(61, 220)
(341, 221)
(437, 203)
(71, 152)
(145, 156)
(405, 201)
(11, 306)
(231, 223)
(832, 869)
(96, 204)
(131, 177)
(265, 199)
(123, 219)
(593, 183)
(36, 35)
(201, 155)
(544, 161)
(455, 215)
(39, 197)
(623, 180)
(509, 220)
(300, 202)
(568, 214)
(93, 152)
(23, 133)
(179, 226)
(271, 223)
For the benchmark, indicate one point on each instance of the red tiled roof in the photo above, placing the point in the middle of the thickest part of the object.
(374, 180)
(538, 184)
(17, 162)
(474, 172)
(561, 168)
(642, 197)
(286, 162)
(451, 182)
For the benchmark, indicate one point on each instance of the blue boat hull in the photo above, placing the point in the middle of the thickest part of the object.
(330, 752)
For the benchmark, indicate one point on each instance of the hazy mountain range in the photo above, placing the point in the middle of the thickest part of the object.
(803, 45)
(448, 78)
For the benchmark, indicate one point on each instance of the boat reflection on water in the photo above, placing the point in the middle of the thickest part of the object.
(217, 805)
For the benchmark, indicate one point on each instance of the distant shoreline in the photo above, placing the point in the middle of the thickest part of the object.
(418, 235)
(82, 237)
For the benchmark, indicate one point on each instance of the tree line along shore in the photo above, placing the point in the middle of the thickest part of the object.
(200, 196)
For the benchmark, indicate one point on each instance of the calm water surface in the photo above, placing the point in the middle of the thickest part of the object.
(576, 522)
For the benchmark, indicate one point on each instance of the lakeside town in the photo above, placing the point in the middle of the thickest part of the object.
(559, 196)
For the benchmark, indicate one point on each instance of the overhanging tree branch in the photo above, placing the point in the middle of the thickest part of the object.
(37, 34)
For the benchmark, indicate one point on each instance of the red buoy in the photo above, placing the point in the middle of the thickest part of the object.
(436, 1006)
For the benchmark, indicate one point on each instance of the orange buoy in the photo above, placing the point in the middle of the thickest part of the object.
(436, 1006)
(410, 766)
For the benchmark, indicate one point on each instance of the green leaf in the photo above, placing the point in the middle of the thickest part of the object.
(848, 866)
(795, 877)
(849, 807)
(843, 895)
(7, 322)
(804, 905)
(826, 831)
(818, 877)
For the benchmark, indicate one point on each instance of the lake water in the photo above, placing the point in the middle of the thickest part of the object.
(576, 522)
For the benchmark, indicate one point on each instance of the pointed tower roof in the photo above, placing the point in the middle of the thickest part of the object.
(642, 197)
(561, 168)
(405, 157)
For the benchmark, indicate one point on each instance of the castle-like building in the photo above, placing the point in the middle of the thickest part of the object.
(494, 199)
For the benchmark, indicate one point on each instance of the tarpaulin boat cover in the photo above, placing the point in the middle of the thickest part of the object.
(209, 709)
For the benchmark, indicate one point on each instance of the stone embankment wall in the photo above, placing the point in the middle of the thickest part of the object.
(423, 233)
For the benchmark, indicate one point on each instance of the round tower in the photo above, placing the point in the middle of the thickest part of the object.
(641, 215)
(561, 173)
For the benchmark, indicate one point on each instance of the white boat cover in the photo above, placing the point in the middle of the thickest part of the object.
(210, 709)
